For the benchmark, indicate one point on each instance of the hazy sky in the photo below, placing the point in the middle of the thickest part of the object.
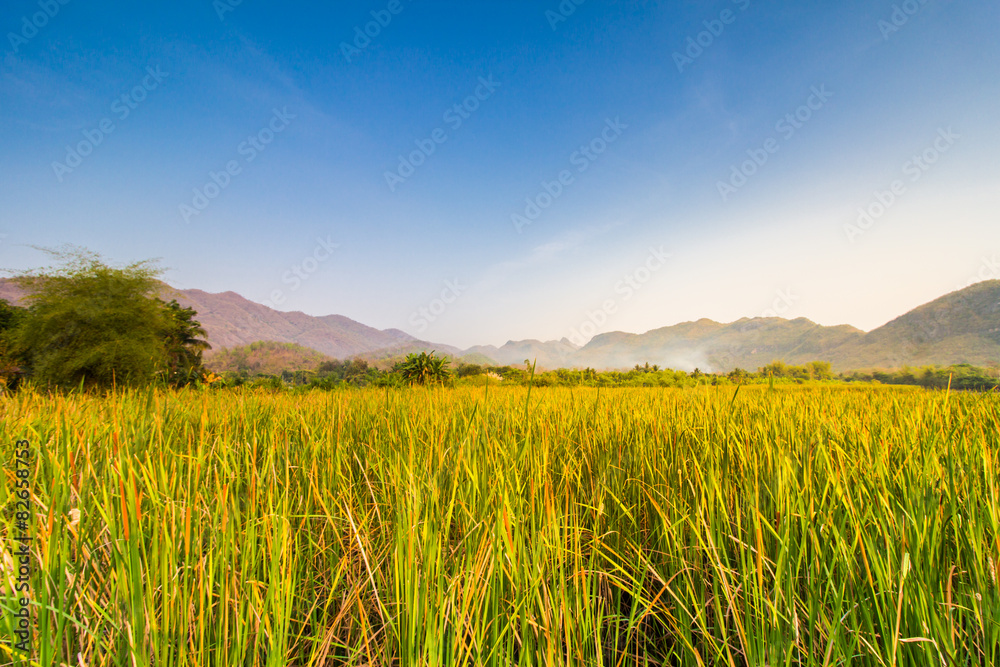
(514, 169)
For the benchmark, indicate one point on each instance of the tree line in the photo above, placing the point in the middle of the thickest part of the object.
(359, 373)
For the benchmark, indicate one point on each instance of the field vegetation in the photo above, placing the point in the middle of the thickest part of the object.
(420, 513)
(770, 525)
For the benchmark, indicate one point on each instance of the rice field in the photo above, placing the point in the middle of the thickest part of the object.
(812, 525)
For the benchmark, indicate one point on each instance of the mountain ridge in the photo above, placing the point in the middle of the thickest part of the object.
(959, 327)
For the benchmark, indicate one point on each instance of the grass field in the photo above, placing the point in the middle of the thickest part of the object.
(790, 526)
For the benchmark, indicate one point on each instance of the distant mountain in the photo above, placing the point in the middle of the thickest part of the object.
(552, 354)
(962, 327)
(233, 321)
(708, 345)
(10, 292)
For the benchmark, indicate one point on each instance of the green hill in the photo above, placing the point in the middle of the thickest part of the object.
(961, 327)
(264, 358)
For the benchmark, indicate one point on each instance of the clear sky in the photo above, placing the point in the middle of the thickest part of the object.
(514, 169)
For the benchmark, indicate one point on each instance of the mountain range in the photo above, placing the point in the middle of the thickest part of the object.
(961, 327)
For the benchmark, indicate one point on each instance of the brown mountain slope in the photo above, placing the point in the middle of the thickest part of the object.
(233, 321)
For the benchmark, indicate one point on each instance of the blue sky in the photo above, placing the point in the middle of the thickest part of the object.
(674, 160)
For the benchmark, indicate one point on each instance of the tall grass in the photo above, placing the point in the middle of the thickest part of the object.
(790, 526)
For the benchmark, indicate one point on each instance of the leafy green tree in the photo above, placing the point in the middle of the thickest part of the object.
(93, 324)
(9, 316)
(10, 363)
(356, 372)
(820, 370)
(738, 375)
(776, 369)
(183, 341)
(424, 369)
(469, 370)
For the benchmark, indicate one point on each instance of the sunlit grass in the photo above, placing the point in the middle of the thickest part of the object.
(793, 526)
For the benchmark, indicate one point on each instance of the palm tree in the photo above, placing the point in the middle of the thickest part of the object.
(183, 339)
(424, 369)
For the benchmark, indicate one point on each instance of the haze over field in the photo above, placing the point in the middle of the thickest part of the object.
(473, 174)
